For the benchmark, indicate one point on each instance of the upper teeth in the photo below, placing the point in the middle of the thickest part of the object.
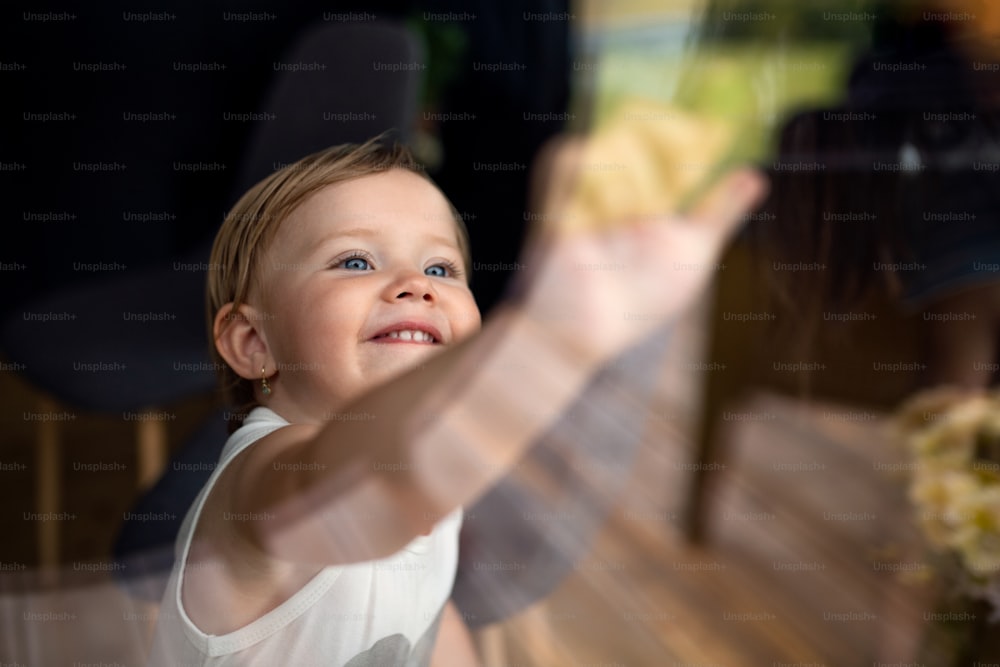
(407, 334)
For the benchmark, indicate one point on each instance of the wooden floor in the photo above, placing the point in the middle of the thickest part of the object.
(790, 575)
(805, 531)
(807, 541)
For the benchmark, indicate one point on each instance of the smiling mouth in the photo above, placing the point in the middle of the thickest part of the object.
(407, 336)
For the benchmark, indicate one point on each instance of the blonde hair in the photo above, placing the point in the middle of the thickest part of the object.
(251, 225)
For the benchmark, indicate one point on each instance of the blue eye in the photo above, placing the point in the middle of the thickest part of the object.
(437, 270)
(356, 264)
(443, 270)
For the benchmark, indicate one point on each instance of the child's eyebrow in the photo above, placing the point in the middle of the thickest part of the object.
(354, 231)
(444, 240)
(313, 247)
(366, 232)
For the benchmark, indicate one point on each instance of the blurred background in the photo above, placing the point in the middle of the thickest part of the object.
(770, 515)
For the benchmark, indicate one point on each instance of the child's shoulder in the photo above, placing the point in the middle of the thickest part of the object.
(246, 476)
(262, 440)
(224, 532)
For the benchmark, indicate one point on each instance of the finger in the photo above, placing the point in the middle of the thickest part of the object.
(729, 200)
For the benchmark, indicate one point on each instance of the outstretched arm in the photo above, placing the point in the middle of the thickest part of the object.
(442, 434)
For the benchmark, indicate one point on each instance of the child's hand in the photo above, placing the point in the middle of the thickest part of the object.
(601, 290)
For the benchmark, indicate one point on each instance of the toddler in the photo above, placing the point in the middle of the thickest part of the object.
(376, 405)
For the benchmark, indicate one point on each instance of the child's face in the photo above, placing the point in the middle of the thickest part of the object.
(363, 281)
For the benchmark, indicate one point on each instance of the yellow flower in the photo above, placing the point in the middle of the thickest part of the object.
(954, 437)
(939, 496)
(977, 537)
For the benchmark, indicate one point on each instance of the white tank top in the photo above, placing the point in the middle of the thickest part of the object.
(376, 613)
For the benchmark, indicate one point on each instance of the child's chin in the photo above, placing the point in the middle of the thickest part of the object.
(403, 358)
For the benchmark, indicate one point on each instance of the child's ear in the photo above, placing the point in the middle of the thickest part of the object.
(240, 342)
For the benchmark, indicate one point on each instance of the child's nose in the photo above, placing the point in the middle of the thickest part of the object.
(412, 284)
